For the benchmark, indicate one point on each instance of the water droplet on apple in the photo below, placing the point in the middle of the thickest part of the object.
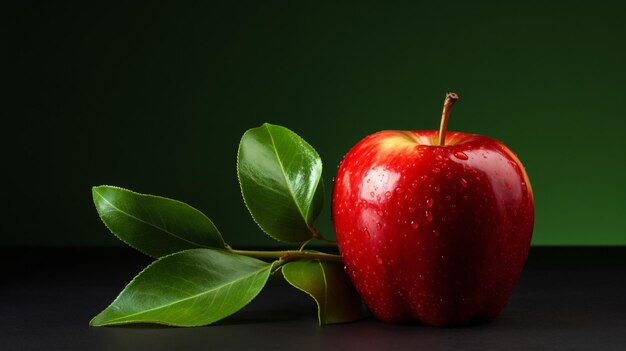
(478, 178)
(414, 224)
(372, 194)
(387, 194)
(379, 213)
(437, 188)
(524, 187)
(379, 260)
(367, 233)
(435, 232)
(411, 209)
(429, 216)
(414, 185)
(464, 182)
(448, 175)
(379, 226)
(438, 157)
(448, 197)
(399, 190)
(429, 203)
(423, 177)
(436, 170)
(460, 155)
(421, 276)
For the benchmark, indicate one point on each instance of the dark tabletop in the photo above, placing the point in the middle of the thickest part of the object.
(567, 299)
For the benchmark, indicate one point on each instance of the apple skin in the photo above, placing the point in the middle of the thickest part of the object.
(437, 234)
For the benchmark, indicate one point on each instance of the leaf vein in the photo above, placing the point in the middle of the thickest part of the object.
(215, 289)
(325, 288)
(148, 223)
(282, 169)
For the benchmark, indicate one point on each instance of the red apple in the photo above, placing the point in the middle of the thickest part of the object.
(433, 227)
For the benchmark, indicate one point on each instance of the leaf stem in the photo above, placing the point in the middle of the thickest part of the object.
(318, 236)
(304, 244)
(287, 255)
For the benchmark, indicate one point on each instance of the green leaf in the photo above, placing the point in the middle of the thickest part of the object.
(327, 283)
(280, 176)
(189, 288)
(154, 225)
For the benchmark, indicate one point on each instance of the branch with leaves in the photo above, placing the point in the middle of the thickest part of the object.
(197, 278)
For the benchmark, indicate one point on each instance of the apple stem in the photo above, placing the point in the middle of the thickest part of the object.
(451, 98)
(287, 255)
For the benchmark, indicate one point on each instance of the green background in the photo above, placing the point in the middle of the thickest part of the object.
(155, 97)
